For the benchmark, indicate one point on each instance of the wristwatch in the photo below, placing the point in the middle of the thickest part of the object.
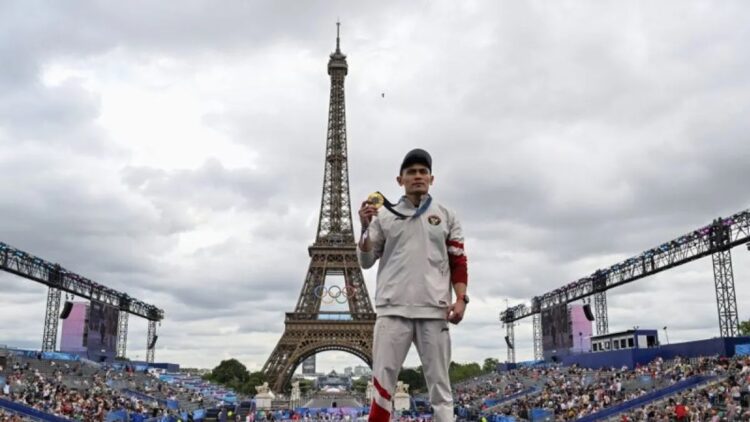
(464, 297)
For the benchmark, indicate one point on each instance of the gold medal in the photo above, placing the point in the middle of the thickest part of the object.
(376, 199)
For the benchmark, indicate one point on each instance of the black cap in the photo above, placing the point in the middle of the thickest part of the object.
(417, 156)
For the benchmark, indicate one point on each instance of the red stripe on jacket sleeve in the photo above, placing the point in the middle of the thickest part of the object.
(457, 260)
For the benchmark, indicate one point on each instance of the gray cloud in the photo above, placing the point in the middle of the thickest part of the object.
(567, 137)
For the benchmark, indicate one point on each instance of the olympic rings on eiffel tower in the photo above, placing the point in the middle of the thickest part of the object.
(334, 293)
(338, 292)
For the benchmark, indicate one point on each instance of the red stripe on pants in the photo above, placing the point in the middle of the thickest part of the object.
(383, 393)
(378, 414)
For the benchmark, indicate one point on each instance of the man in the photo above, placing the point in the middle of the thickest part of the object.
(421, 256)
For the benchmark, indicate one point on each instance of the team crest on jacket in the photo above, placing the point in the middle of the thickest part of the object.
(434, 220)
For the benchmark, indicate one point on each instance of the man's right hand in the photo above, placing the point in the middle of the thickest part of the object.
(366, 212)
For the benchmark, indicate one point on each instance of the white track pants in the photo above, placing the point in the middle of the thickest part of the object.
(393, 338)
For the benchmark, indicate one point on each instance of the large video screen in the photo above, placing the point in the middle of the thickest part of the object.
(101, 341)
(556, 334)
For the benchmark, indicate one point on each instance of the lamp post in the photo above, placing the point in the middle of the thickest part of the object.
(666, 334)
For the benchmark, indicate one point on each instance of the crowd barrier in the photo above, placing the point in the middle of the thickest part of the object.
(541, 415)
(123, 416)
(495, 402)
(29, 411)
(31, 354)
(140, 396)
(351, 411)
(500, 418)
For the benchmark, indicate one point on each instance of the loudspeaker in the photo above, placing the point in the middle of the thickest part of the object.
(587, 311)
(153, 342)
(555, 358)
(66, 309)
(507, 341)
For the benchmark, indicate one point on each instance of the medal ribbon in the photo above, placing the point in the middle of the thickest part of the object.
(391, 207)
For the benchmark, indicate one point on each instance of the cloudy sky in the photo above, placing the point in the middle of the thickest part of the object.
(174, 150)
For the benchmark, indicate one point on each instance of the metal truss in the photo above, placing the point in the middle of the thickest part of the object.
(335, 220)
(151, 341)
(51, 318)
(122, 334)
(338, 260)
(308, 330)
(537, 327)
(23, 264)
(726, 300)
(686, 248)
(600, 313)
(511, 339)
(305, 338)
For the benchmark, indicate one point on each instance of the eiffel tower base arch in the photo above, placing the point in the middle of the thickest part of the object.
(304, 338)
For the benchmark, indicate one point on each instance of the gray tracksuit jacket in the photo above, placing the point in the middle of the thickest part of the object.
(419, 259)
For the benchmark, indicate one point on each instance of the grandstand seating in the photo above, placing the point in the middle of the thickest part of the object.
(524, 393)
(611, 393)
(44, 389)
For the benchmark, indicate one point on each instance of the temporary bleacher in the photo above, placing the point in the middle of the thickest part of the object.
(647, 398)
(77, 374)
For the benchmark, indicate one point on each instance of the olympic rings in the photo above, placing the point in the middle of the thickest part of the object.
(338, 292)
(334, 293)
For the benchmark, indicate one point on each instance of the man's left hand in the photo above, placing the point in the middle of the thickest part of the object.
(456, 312)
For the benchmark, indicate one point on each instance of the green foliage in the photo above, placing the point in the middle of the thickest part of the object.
(745, 328)
(229, 372)
(457, 372)
(233, 374)
(414, 377)
(460, 372)
(490, 364)
(253, 380)
(359, 385)
(305, 386)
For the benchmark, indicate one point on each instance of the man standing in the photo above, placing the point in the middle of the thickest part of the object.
(420, 246)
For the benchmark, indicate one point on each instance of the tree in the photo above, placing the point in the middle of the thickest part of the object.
(254, 379)
(414, 377)
(229, 372)
(305, 386)
(359, 385)
(490, 365)
(745, 328)
(459, 372)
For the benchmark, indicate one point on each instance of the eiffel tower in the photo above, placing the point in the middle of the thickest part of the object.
(308, 330)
